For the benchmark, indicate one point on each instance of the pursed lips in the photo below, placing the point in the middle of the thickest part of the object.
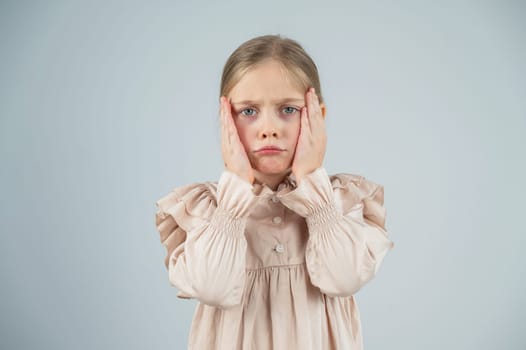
(269, 148)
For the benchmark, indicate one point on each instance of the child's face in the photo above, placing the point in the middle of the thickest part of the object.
(266, 108)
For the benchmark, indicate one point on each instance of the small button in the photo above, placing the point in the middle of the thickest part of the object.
(279, 248)
(276, 220)
(275, 199)
(281, 186)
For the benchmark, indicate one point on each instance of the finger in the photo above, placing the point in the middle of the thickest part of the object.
(224, 133)
(228, 115)
(317, 120)
(227, 126)
(301, 132)
(221, 107)
(221, 115)
(314, 106)
(317, 104)
(233, 135)
(309, 110)
(305, 125)
(224, 125)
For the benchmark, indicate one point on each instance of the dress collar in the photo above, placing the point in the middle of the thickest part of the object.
(287, 184)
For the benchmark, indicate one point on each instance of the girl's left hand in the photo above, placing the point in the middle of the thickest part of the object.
(310, 149)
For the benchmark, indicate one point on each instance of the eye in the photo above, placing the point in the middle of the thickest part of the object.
(290, 110)
(248, 112)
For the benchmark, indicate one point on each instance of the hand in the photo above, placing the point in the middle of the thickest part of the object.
(234, 154)
(310, 149)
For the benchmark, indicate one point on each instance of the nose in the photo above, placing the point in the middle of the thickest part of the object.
(269, 133)
(269, 127)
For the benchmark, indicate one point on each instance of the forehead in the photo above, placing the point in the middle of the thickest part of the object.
(269, 80)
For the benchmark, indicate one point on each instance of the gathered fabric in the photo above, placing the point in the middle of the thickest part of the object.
(274, 269)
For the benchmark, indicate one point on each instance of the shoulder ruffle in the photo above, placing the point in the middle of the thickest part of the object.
(360, 195)
(182, 209)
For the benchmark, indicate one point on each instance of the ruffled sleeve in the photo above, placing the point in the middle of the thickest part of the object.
(347, 236)
(202, 228)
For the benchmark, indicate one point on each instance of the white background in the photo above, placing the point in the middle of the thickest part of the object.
(106, 106)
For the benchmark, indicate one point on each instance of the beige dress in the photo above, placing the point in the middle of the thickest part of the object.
(274, 269)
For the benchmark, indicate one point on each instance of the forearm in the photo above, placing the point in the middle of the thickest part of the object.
(343, 253)
(211, 265)
(344, 249)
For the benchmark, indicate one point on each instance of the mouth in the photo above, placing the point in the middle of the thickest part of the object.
(269, 150)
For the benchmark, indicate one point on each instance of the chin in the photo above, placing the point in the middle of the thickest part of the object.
(273, 168)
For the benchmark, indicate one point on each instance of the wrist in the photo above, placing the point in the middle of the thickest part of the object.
(242, 175)
(311, 195)
(234, 194)
(300, 174)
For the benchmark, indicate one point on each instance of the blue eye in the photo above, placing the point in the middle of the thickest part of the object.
(290, 110)
(249, 114)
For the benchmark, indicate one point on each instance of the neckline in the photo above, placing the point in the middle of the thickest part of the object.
(288, 183)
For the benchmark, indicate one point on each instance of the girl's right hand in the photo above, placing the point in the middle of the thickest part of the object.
(234, 154)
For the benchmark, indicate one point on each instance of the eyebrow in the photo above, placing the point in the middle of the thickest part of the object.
(257, 103)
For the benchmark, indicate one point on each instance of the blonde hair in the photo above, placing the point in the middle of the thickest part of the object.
(286, 51)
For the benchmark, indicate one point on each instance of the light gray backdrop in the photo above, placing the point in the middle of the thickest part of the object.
(106, 106)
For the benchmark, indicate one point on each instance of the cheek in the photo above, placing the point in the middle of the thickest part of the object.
(243, 133)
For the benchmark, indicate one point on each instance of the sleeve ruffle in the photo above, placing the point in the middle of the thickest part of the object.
(352, 195)
(347, 236)
(181, 210)
(202, 228)
(359, 198)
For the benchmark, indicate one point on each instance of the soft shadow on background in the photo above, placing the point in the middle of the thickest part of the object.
(107, 106)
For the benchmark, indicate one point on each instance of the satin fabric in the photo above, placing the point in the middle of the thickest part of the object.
(274, 269)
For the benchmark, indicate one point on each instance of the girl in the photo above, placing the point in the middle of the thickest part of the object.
(275, 250)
